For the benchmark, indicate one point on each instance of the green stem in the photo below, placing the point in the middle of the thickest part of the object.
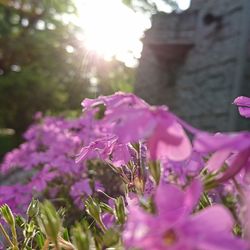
(6, 235)
(14, 236)
(210, 185)
(100, 223)
(65, 244)
(26, 241)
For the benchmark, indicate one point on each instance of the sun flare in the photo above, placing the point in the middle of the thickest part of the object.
(111, 29)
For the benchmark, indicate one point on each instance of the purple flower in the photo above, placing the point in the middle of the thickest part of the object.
(105, 149)
(108, 220)
(181, 171)
(169, 140)
(81, 189)
(174, 227)
(232, 148)
(243, 104)
(100, 148)
(206, 142)
(132, 120)
(47, 158)
(245, 214)
(16, 196)
(41, 179)
(121, 155)
(114, 101)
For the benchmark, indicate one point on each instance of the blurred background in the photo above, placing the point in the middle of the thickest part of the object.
(54, 53)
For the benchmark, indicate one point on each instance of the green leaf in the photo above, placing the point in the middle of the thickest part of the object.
(155, 170)
(94, 210)
(120, 210)
(80, 238)
(50, 221)
(101, 111)
(111, 238)
(39, 238)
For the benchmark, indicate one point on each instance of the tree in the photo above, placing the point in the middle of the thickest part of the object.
(149, 6)
(44, 66)
(37, 71)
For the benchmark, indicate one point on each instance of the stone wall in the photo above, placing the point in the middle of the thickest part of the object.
(198, 61)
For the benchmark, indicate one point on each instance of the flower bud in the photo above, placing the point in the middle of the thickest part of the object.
(50, 221)
(7, 215)
(33, 208)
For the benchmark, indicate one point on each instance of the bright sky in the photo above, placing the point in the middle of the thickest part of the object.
(111, 29)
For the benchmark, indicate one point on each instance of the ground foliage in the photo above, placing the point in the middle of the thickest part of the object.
(166, 191)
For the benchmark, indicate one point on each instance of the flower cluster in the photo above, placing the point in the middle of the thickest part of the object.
(183, 173)
(45, 163)
(179, 193)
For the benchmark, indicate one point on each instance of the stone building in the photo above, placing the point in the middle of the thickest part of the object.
(197, 61)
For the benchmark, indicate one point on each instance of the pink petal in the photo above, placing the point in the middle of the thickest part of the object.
(244, 111)
(206, 142)
(217, 159)
(242, 101)
(217, 218)
(239, 161)
(193, 193)
(170, 201)
(169, 141)
(210, 229)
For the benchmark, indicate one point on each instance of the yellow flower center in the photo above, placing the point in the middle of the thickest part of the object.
(169, 237)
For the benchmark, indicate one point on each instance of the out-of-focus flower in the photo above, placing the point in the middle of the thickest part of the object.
(232, 148)
(46, 160)
(131, 120)
(168, 138)
(79, 191)
(244, 210)
(180, 172)
(16, 196)
(243, 104)
(174, 227)
(100, 149)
